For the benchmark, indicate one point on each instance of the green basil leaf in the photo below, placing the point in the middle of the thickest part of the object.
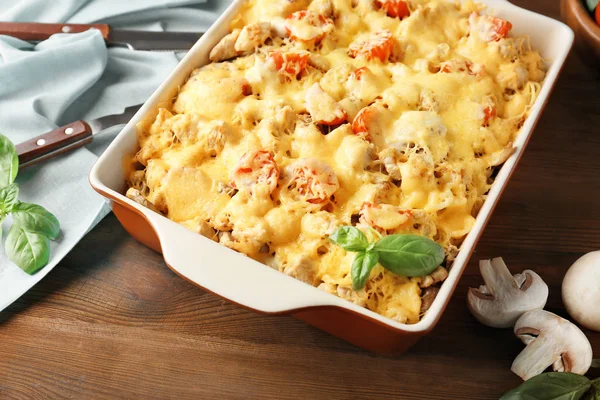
(596, 363)
(409, 255)
(551, 386)
(9, 161)
(350, 238)
(591, 4)
(361, 268)
(29, 250)
(8, 197)
(37, 219)
(594, 393)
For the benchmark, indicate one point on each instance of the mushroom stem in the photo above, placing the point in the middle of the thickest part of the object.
(504, 297)
(551, 341)
(534, 359)
(496, 276)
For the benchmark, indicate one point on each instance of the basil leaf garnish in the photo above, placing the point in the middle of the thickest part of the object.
(551, 386)
(9, 161)
(406, 255)
(28, 240)
(409, 255)
(361, 268)
(350, 238)
(591, 4)
(37, 219)
(596, 363)
(595, 391)
(8, 198)
(29, 250)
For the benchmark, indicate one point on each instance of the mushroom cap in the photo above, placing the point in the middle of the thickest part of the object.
(581, 291)
(550, 340)
(504, 297)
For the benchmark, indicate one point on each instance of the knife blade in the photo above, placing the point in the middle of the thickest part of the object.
(69, 137)
(134, 40)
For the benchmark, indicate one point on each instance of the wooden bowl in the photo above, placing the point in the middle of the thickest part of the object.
(587, 32)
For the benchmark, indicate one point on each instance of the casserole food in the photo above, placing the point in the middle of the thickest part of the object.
(341, 114)
(270, 291)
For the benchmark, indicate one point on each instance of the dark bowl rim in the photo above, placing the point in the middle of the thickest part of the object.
(586, 19)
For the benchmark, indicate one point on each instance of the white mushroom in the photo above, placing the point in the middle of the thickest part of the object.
(581, 291)
(504, 298)
(550, 340)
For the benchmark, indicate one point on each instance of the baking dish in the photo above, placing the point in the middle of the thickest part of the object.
(251, 284)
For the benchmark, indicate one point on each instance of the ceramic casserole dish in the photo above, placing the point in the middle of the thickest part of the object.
(246, 282)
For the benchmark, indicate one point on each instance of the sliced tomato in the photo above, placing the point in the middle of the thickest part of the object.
(489, 29)
(290, 63)
(246, 89)
(449, 67)
(307, 26)
(384, 217)
(255, 167)
(314, 180)
(394, 8)
(456, 66)
(359, 72)
(502, 28)
(489, 113)
(378, 46)
(363, 121)
(598, 14)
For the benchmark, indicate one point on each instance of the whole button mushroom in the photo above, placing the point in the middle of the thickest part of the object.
(504, 297)
(581, 291)
(550, 340)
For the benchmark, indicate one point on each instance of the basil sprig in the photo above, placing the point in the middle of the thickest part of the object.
(591, 4)
(28, 240)
(9, 162)
(556, 386)
(406, 255)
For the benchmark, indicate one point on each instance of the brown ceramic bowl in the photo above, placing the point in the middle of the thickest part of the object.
(587, 31)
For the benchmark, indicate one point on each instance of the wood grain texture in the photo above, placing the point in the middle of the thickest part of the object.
(113, 322)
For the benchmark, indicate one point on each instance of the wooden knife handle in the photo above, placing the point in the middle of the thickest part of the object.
(33, 31)
(53, 143)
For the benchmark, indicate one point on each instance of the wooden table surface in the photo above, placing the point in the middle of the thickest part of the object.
(113, 322)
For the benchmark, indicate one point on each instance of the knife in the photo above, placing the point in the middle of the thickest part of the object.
(68, 137)
(134, 40)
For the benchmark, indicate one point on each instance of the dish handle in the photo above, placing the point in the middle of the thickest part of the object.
(230, 274)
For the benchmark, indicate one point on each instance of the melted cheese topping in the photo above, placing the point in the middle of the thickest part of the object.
(349, 117)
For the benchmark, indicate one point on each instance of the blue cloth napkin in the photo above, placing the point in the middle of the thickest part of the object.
(74, 76)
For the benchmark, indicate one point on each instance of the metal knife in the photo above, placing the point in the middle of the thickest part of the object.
(68, 137)
(134, 40)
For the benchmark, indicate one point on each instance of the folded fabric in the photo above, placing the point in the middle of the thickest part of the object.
(71, 77)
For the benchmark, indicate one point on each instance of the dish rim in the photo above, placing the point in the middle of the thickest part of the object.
(162, 224)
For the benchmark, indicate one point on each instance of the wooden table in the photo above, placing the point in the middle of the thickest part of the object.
(113, 322)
